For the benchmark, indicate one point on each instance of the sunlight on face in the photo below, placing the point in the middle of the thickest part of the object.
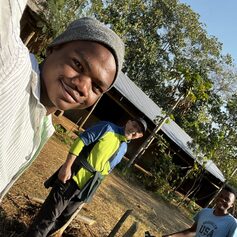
(133, 130)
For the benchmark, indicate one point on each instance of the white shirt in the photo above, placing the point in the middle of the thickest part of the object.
(24, 126)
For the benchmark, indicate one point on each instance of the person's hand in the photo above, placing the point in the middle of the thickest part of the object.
(64, 173)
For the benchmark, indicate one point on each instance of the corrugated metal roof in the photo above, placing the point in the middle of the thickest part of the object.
(149, 108)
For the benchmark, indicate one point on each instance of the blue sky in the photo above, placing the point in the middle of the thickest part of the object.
(220, 18)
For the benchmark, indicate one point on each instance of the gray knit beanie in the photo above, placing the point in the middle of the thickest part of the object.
(92, 30)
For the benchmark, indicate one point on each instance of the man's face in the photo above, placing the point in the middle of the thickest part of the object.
(76, 74)
(133, 130)
(225, 200)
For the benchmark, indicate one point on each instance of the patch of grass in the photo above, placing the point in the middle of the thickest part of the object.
(63, 135)
(160, 187)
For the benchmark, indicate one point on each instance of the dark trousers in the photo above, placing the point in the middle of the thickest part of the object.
(57, 209)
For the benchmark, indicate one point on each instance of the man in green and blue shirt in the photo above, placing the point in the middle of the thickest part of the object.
(101, 147)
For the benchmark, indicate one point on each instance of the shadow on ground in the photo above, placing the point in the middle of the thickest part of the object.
(11, 227)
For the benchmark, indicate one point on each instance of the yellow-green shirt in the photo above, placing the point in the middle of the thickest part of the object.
(106, 137)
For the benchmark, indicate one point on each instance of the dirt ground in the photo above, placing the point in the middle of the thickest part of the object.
(114, 197)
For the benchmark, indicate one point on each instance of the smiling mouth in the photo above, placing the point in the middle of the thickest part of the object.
(71, 95)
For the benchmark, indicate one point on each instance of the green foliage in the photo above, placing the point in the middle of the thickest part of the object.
(63, 135)
(164, 171)
(59, 128)
(170, 53)
(56, 16)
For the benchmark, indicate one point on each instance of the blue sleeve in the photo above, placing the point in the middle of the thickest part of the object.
(95, 132)
(197, 216)
(117, 157)
(233, 230)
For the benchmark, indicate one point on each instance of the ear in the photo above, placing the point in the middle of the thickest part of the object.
(49, 51)
(141, 135)
(138, 135)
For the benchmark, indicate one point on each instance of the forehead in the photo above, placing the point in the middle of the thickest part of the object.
(228, 195)
(137, 125)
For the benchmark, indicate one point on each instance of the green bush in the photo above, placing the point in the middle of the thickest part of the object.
(63, 135)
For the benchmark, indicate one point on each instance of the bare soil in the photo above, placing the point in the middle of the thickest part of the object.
(116, 195)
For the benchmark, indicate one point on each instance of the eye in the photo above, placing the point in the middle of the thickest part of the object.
(97, 89)
(77, 64)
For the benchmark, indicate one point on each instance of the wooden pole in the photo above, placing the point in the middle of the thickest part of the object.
(59, 232)
(119, 224)
(29, 38)
(149, 140)
(92, 109)
(132, 230)
(222, 186)
(182, 179)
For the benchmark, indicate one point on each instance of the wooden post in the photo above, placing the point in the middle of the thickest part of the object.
(29, 37)
(149, 140)
(132, 230)
(119, 224)
(182, 179)
(92, 109)
(193, 188)
(59, 232)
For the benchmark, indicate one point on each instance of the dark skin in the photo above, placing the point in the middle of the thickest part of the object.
(224, 201)
(74, 75)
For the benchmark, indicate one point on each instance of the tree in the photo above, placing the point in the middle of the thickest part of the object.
(169, 52)
(55, 16)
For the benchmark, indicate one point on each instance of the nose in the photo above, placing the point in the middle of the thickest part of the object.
(223, 200)
(134, 134)
(83, 85)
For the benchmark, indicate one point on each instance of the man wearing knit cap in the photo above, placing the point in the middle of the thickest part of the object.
(93, 156)
(81, 64)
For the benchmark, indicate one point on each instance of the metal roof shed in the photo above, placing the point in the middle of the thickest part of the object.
(151, 110)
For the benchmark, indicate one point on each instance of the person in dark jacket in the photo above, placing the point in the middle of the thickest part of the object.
(93, 156)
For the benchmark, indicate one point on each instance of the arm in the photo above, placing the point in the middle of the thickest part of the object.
(12, 49)
(10, 15)
(65, 172)
(95, 132)
(190, 232)
(117, 157)
(233, 230)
